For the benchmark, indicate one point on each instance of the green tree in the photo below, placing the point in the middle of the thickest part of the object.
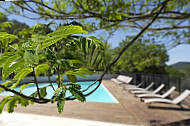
(187, 71)
(11, 27)
(141, 57)
(16, 27)
(173, 72)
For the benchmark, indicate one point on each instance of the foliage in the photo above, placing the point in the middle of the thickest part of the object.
(36, 47)
(16, 27)
(59, 94)
(12, 102)
(187, 71)
(5, 39)
(46, 54)
(173, 72)
(11, 26)
(181, 65)
(112, 15)
(180, 69)
(142, 56)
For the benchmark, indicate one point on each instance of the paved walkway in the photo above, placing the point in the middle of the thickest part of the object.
(19, 119)
(129, 110)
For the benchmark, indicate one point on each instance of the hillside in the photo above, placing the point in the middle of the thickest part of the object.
(181, 65)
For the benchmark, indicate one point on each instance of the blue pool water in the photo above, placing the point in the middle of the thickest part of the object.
(100, 95)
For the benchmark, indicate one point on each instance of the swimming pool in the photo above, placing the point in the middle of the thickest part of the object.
(100, 95)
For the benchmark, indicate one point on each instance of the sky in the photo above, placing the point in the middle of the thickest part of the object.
(180, 53)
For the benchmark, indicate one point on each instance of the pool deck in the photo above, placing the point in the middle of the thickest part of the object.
(129, 110)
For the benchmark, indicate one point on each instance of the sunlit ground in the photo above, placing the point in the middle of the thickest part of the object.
(18, 119)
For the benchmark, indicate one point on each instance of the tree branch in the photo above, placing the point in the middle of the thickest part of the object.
(132, 41)
(36, 82)
(157, 29)
(179, 43)
(89, 14)
(157, 6)
(93, 15)
(36, 100)
(42, 4)
(126, 47)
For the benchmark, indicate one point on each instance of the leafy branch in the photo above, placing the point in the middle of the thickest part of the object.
(30, 55)
(50, 47)
(124, 49)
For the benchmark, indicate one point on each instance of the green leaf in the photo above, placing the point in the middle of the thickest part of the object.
(11, 104)
(92, 52)
(1, 89)
(5, 25)
(65, 31)
(55, 95)
(50, 41)
(84, 71)
(66, 63)
(6, 68)
(61, 102)
(74, 85)
(23, 102)
(4, 57)
(6, 83)
(42, 68)
(25, 85)
(70, 63)
(59, 96)
(30, 58)
(78, 73)
(72, 78)
(28, 45)
(18, 66)
(22, 74)
(84, 45)
(14, 85)
(43, 92)
(3, 102)
(34, 94)
(5, 39)
(61, 33)
(77, 94)
(71, 75)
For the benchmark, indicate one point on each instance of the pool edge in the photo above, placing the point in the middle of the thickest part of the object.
(115, 100)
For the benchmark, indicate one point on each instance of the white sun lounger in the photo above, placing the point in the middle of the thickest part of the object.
(149, 92)
(118, 79)
(175, 101)
(122, 79)
(142, 89)
(126, 87)
(166, 94)
(127, 79)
